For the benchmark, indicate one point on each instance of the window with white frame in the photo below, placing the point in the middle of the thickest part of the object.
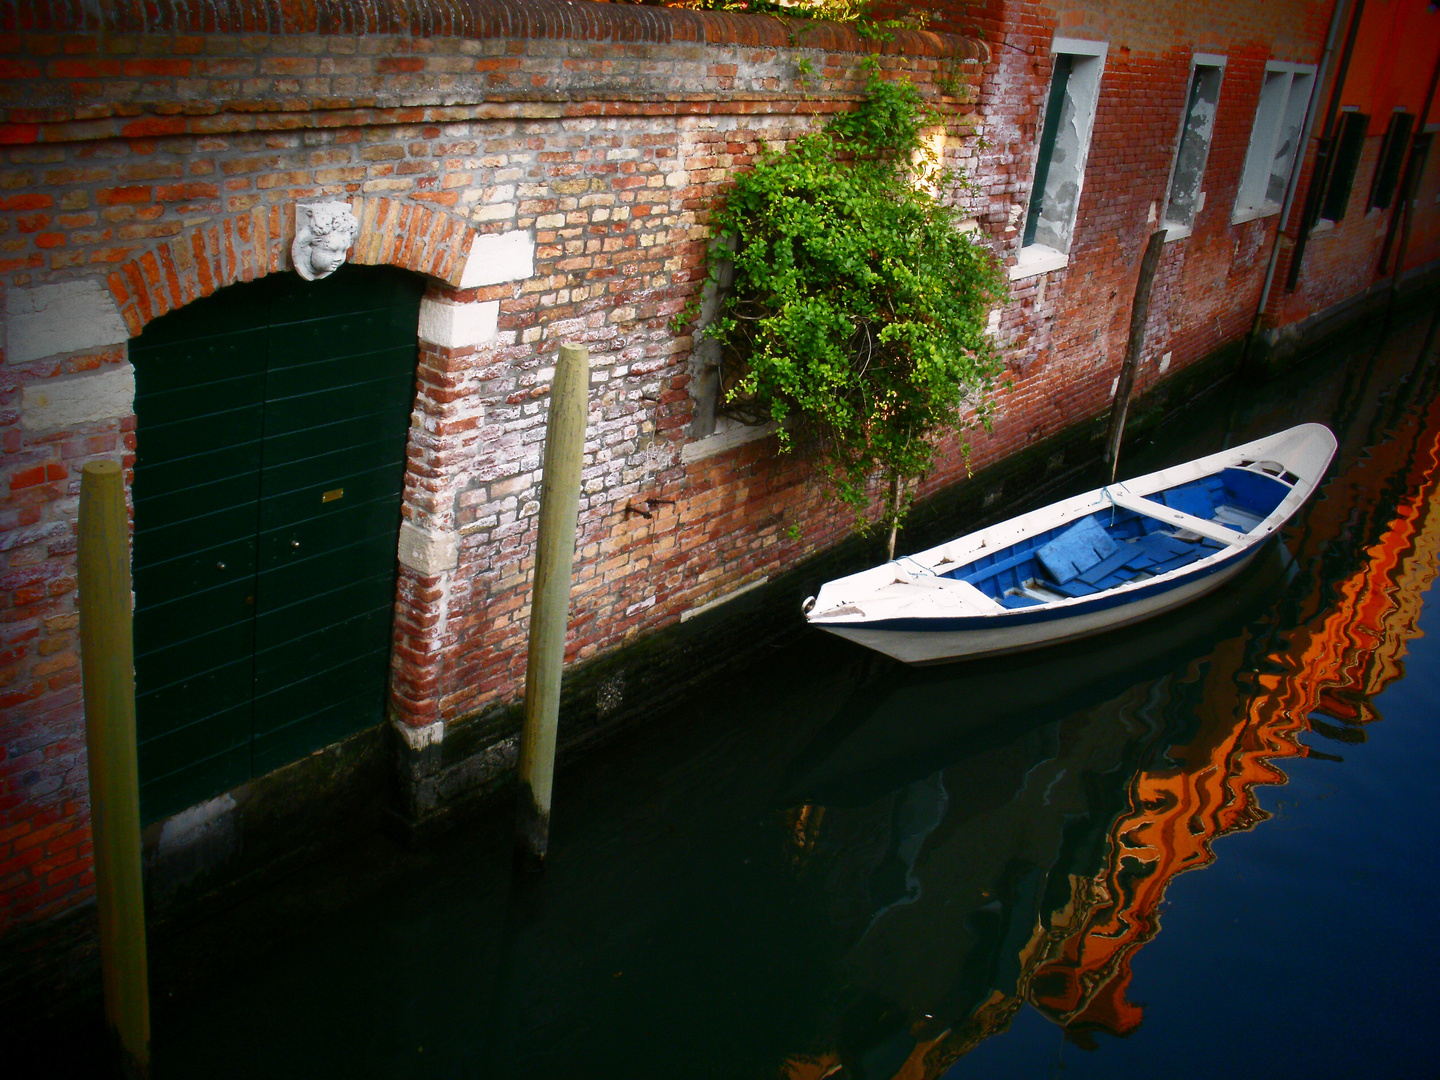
(1274, 139)
(1185, 196)
(1065, 132)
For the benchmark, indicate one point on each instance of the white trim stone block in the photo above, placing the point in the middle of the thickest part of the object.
(418, 738)
(498, 257)
(65, 318)
(458, 326)
(106, 394)
(426, 552)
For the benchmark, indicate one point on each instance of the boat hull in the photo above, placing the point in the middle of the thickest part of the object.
(1108, 558)
(934, 641)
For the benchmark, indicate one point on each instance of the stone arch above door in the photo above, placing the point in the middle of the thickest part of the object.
(393, 232)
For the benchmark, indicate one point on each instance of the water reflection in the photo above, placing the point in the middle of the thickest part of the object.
(824, 865)
(1033, 866)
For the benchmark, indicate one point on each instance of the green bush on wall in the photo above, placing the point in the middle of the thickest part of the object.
(858, 308)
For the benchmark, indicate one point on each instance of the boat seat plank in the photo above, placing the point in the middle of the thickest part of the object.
(1021, 601)
(1161, 547)
(974, 577)
(1105, 568)
(1175, 518)
(1241, 519)
(1195, 554)
(1073, 587)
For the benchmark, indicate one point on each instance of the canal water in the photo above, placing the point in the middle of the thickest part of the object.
(1206, 846)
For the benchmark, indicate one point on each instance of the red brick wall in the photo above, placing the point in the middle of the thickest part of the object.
(161, 161)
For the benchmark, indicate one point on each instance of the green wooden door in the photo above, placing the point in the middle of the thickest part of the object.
(270, 458)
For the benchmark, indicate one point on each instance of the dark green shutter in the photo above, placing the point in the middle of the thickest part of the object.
(1349, 146)
(271, 431)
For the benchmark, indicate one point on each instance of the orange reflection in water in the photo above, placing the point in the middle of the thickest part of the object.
(1076, 966)
(1333, 665)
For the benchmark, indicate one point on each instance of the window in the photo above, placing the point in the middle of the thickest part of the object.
(1392, 156)
(1279, 124)
(1060, 162)
(1346, 160)
(1185, 199)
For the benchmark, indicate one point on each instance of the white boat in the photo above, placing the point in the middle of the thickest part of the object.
(1104, 559)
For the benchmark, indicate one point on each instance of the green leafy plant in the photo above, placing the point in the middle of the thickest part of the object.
(857, 313)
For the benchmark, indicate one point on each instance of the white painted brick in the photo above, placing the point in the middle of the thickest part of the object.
(70, 317)
(78, 399)
(495, 258)
(457, 326)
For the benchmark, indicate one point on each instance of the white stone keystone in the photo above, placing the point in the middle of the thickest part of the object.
(457, 326)
(70, 317)
(499, 257)
(426, 552)
(78, 399)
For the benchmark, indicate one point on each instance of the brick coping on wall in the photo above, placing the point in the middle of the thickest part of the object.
(54, 53)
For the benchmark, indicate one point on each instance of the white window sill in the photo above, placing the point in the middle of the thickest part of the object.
(1321, 227)
(1254, 213)
(1175, 232)
(723, 441)
(1038, 259)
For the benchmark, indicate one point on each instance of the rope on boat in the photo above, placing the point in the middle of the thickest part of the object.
(924, 570)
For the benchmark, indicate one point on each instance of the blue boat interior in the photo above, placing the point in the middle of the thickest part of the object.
(1115, 546)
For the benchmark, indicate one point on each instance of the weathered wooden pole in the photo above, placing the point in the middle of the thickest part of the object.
(1139, 312)
(107, 664)
(550, 599)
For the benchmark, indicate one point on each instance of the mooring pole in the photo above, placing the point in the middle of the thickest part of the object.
(1138, 314)
(107, 664)
(550, 599)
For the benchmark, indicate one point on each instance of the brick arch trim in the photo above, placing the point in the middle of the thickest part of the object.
(242, 247)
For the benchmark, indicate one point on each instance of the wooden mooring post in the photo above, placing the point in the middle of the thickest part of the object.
(550, 599)
(1139, 312)
(107, 664)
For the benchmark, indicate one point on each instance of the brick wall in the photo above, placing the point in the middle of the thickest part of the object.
(547, 167)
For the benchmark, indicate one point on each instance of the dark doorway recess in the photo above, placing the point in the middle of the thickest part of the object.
(271, 432)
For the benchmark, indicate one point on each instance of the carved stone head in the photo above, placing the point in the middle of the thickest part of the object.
(323, 234)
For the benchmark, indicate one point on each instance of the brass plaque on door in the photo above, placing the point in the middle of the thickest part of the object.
(331, 496)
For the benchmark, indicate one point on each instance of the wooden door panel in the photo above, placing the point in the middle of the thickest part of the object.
(380, 423)
(188, 657)
(308, 503)
(198, 697)
(196, 571)
(154, 545)
(199, 434)
(194, 615)
(301, 412)
(273, 419)
(314, 613)
(298, 657)
(358, 519)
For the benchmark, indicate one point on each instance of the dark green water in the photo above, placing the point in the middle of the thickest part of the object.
(1204, 847)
